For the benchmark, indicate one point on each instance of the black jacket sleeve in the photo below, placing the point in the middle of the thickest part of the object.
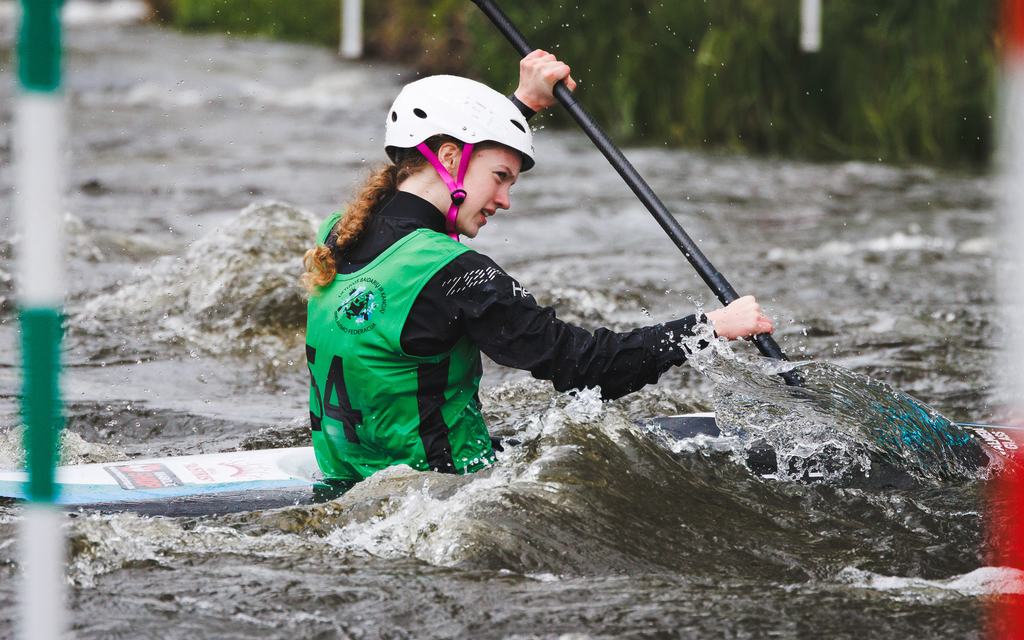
(523, 109)
(474, 296)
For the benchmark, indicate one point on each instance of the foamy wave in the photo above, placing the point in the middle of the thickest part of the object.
(835, 424)
(336, 91)
(341, 90)
(898, 241)
(79, 13)
(982, 245)
(80, 242)
(104, 544)
(578, 305)
(234, 290)
(452, 520)
(152, 94)
(980, 582)
(73, 449)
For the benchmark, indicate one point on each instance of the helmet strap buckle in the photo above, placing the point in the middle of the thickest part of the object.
(454, 184)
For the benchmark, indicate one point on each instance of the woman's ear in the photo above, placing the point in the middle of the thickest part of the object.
(449, 154)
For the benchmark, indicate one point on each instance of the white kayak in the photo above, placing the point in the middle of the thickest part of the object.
(270, 478)
(210, 482)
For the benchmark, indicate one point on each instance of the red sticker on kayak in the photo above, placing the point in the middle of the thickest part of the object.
(143, 476)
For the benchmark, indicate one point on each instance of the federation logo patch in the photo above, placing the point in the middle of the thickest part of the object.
(360, 303)
(143, 476)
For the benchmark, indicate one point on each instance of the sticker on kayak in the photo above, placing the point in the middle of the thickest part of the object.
(230, 471)
(143, 476)
(999, 441)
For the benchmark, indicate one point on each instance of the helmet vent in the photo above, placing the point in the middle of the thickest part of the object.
(394, 117)
(420, 113)
(518, 125)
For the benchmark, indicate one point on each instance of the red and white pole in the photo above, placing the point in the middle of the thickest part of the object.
(1010, 150)
(1011, 166)
(1006, 509)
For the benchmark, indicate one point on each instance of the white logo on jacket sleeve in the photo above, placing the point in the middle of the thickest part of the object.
(469, 280)
(520, 290)
(477, 277)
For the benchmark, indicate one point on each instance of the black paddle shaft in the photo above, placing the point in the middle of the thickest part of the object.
(711, 276)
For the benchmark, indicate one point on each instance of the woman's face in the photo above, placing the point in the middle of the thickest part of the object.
(492, 172)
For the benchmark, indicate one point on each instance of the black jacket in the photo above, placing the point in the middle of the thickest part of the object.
(472, 296)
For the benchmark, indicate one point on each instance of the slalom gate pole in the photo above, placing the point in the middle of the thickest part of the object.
(38, 147)
(707, 271)
(1005, 517)
(810, 26)
(351, 43)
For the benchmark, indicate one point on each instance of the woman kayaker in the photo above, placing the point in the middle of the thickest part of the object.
(400, 310)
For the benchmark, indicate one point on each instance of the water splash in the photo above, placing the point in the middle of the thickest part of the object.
(104, 544)
(982, 581)
(235, 291)
(836, 424)
(73, 449)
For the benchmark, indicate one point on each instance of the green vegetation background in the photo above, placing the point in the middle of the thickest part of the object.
(896, 80)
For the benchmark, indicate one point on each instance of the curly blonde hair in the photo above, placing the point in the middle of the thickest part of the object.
(321, 261)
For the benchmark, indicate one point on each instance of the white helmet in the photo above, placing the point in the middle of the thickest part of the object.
(464, 109)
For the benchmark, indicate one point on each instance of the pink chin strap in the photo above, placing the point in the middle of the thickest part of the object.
(454, 184)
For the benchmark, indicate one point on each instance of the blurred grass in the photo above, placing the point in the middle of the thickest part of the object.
(896, 80)
(314, 21)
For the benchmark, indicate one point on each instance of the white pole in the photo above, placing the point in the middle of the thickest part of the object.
(810, 25)
(38, 146)
(351, 29)
(42, 549)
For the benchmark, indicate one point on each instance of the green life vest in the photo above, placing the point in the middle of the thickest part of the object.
(372, 405)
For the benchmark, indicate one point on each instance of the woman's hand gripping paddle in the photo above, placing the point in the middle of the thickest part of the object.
(711, 276)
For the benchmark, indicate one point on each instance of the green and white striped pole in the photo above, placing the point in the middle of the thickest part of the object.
(38, 151)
